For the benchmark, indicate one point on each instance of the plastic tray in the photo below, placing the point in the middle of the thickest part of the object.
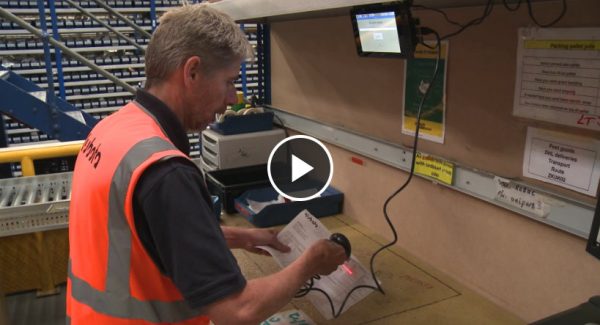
(330, 202)
(230, 183)
(236, 124)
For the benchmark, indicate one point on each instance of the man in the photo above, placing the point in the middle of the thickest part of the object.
(145, 247)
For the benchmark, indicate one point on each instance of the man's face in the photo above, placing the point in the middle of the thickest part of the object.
(211, 94)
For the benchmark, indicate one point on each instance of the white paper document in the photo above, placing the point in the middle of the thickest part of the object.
(257, 206)
(300, 234)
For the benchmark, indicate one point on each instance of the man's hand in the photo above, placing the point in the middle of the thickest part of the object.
(264, 237)
(264, 296)
(325, 256)
(249, 238)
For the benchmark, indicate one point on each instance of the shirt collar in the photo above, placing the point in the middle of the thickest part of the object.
(166, 118)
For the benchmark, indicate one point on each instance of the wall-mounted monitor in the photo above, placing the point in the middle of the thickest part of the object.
(385, 30)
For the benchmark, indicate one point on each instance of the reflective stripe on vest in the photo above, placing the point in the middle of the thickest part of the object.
(116, 300)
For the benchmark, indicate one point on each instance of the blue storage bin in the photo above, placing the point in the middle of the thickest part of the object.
(329, 203)
(237, 124)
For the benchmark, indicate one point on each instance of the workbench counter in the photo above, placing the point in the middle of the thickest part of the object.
(415, 292)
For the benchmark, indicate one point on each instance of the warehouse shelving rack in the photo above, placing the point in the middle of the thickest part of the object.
(32, 205)
(84, 88)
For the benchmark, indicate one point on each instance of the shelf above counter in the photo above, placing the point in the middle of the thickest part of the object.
(274, 10)
(263, 11)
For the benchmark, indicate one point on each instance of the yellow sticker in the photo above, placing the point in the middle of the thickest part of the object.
(436, 168)
(427, 127)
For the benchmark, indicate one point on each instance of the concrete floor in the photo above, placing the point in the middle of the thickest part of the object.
(26, 308)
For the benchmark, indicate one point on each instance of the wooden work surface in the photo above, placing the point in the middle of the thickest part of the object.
(415, 293)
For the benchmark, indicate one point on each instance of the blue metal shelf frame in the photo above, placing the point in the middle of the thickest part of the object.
(54, 120)
(57, 51)
(263, 45)
(5, 169)
(60, 79)
(153, 14)
(50, 97)
(243, 72)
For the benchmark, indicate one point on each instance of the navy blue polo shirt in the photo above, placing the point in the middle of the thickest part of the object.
(175, 222)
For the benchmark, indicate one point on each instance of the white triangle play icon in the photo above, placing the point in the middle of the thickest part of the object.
(299, 168)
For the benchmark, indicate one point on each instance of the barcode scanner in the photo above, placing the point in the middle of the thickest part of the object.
(342, 240)
(339, 239)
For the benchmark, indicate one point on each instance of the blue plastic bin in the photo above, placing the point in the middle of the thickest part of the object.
(236, 124)
(329, 203)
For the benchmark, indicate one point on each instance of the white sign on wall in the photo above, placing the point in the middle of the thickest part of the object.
(558, 76)
(562, 159)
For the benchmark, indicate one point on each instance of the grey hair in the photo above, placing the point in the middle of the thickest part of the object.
(194, 30)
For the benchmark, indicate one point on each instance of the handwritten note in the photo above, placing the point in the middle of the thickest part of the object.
(521, 197)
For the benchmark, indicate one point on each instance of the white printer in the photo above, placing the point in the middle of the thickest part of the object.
(238, 150)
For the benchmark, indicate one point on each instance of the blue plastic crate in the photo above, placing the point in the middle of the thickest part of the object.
(236, 124)
(329, 203)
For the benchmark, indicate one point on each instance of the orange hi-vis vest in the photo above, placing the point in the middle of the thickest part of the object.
(111, 278)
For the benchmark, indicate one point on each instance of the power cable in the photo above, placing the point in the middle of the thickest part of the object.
(309, 285)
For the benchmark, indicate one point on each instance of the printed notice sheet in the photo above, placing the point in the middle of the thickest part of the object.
(558, 76)
(562, 159)
(302, 232)
(417, 78)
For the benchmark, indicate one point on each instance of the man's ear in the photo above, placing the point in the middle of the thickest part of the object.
(191, 70)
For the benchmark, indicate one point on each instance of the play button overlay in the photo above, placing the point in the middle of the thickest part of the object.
(300, 168)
